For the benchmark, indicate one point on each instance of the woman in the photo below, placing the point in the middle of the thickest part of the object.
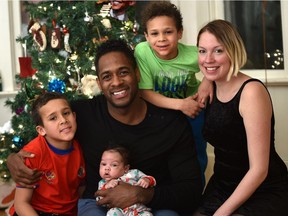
(249, 176)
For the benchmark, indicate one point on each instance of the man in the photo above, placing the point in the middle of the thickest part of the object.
(159, 141)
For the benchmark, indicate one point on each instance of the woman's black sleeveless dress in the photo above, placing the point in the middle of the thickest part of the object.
(224, 130)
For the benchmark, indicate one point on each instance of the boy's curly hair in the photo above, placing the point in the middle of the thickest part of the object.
(161, 8)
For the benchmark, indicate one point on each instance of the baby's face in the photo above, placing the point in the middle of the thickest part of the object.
(111, 166)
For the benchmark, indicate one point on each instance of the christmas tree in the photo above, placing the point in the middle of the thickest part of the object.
(59, 50)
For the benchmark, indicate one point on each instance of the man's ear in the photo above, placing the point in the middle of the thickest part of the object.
(41, 130)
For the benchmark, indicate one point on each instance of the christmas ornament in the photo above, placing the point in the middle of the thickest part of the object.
(89, 85)
(66, 39)
(106, 23)
(128, 25)
(26, 69)
(136, 27)
(19, 110)
(25, 63)
(74, 57)
(18, 141)
(39, 36)
(54, 35)
(88, 18)
(56, 85)
(105, 10)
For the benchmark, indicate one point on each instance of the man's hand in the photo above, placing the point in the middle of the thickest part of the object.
(21, 174)
(124, 195)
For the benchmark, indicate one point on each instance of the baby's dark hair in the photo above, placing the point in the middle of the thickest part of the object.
(161, 8)
(124, 152)
(41, 101)
(114, 45)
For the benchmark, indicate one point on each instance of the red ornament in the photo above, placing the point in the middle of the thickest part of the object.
(26, 67)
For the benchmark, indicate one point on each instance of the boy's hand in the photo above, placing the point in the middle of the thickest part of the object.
(191, 107)
(20, 173)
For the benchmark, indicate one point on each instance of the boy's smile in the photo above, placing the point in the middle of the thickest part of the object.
(162, 35)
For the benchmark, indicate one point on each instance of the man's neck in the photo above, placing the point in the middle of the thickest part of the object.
(132, 115)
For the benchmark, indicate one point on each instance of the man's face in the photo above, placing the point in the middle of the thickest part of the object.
(117, 79)
(120, 4)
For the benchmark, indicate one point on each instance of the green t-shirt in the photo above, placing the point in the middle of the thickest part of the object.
(173, 78)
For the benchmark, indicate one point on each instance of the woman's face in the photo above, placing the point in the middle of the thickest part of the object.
(212, 58)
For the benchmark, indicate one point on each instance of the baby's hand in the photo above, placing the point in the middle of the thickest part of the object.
(111, 184)
(143, 182)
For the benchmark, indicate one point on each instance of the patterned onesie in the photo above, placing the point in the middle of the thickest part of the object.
(131, 177)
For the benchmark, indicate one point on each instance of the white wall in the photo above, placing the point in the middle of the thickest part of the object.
(4, 110)
(10, 51)
(279, 96)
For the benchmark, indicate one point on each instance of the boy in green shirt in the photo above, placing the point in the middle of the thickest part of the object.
(168, 70)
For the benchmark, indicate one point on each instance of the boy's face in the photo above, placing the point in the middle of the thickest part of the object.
(112, 166)
(118, 80)
(59, 123)
(162, 35)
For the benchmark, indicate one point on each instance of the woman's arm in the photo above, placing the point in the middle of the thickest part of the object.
(256, 110)
(205, 91)
(22, 201)
(189, 106)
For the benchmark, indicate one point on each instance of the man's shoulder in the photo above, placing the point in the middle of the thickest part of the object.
(80, 103)
(161, 112)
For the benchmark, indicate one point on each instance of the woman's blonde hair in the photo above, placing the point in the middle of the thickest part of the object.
(230, 38)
